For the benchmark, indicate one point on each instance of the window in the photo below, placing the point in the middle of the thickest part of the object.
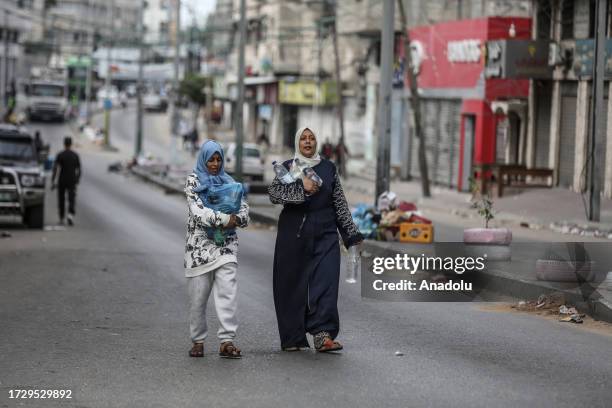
(567, 19)
(544, 20)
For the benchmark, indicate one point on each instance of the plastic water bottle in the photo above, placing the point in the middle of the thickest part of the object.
(311, 174)
(353, 264)
(282, 173)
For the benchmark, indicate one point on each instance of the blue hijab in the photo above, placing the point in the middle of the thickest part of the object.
(208, 149)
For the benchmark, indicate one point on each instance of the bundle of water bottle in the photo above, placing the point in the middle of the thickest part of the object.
(289, 176)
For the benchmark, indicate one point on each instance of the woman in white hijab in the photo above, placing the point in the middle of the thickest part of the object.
(307, 253)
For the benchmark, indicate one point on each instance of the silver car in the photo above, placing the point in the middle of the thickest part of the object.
(252, 160)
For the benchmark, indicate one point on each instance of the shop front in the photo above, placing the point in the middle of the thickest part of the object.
(472, 115)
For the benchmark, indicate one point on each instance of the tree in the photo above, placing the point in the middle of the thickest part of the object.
(193, 87)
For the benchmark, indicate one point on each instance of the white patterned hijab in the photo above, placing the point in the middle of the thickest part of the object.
(305, 161)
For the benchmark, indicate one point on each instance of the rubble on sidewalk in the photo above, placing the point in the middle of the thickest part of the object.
(575, 318)
(569, 228)
(551, 304)
(5, 234)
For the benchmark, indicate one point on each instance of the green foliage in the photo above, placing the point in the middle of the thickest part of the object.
(482, 203)
(193, 86)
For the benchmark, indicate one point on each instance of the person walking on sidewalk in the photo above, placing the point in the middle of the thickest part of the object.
(69, 167)
(211, 251)
(307, 254)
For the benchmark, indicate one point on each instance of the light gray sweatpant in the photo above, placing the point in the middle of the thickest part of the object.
(222, 282)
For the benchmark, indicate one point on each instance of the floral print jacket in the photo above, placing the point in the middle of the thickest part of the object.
(201, 253)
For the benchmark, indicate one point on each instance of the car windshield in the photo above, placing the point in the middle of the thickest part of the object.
(16, 149)
(250, 152)
(47, 90)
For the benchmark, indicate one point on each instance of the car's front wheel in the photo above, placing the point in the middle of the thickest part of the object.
(34, 217)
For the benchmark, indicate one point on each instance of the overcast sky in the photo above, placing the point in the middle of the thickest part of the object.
(200, 7)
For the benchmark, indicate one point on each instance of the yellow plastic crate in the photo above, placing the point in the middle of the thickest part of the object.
(411, 232)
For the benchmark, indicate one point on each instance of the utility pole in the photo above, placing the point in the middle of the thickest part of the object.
(107, 81)
(6, 58)
(317, 99)
(415, 104)
(175, 84)
(138, 146)
(88, 79)
(597, 111)
(239, 117)
(384, 100)
(339, 106)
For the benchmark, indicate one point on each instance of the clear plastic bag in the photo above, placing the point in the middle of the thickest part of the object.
(225, 198)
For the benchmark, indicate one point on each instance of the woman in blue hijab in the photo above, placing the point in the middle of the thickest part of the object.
(211, 250)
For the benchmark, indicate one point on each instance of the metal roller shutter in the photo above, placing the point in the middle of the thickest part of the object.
(567, 141)
(441, 127)
(542, 134)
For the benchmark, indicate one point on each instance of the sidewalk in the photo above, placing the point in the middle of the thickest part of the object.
(559, 210)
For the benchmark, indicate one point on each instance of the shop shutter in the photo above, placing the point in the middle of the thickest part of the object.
(567, 142)
(542, 131)
(441, 127)
(448, 142)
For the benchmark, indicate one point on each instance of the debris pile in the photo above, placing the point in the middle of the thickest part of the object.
(551, 304)
(392, 220)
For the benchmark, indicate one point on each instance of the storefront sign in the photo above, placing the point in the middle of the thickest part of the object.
(584, 57)
(305, 93)
(518, 59)
(464, 51)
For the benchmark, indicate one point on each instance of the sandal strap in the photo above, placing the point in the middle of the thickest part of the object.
(320, 338)
(229, 348)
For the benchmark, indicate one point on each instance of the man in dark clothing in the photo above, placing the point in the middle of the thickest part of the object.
(69, 175)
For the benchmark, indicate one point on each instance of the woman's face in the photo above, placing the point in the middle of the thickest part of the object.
(308, 143)
(214, 164)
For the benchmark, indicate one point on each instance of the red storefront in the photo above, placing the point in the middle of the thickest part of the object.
(450, 58)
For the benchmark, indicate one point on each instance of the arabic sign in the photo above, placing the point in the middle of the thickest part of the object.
(584, 57)
(518, 59)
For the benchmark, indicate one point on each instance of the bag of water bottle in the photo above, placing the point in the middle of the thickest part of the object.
(311, 174)
(282, 174)
(353, 264)
(225, 198)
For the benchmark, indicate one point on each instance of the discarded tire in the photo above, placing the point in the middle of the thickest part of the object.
(490, 251)
(565, 271)
(492, 243)
(499, 236)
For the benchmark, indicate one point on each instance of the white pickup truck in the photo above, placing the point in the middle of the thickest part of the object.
(47, 100)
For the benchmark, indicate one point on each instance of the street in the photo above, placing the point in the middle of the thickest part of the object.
(101, 309)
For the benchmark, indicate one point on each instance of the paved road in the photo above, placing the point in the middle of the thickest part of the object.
(101, 309)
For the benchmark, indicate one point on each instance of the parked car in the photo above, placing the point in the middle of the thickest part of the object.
(22, 177)
(153, 102)
(252, 161)
(131, 90)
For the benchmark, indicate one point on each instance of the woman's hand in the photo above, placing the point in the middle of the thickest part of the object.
(232, 222)
(310, 186)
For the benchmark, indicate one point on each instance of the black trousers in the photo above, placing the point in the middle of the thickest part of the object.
(61, 199)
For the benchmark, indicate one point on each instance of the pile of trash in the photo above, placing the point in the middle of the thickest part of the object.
(95, 135)
(384, 221)
(552, 304)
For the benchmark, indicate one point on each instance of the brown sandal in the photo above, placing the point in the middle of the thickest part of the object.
(228, 350)
(197, 350)
(324, 343)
